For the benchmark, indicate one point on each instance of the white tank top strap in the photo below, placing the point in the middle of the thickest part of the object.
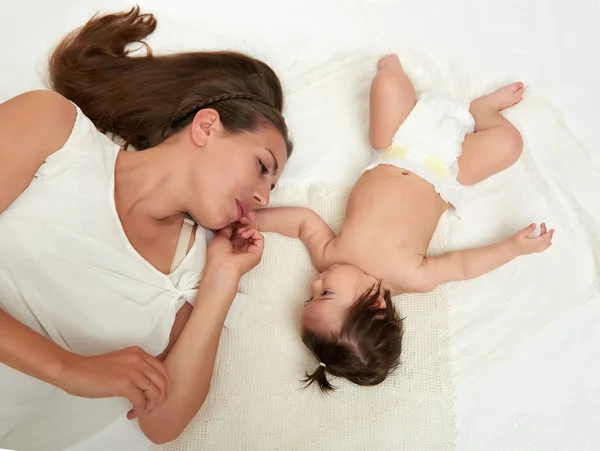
(183, 242)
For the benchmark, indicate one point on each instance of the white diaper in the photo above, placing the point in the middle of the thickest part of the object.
(429, 142)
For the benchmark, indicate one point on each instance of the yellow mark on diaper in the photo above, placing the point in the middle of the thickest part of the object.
(396, 152)
(436, 167)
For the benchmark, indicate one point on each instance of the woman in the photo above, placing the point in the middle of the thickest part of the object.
(96, 286)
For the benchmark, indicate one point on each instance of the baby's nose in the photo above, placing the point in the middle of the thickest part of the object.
(315, 288)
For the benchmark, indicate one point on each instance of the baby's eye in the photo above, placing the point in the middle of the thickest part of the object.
(325, 293)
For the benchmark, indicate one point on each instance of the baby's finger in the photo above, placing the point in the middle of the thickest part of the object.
(253, 234)
(526, 231)
(248, 233)
(543, 230)
(540, 238)
(542, 242)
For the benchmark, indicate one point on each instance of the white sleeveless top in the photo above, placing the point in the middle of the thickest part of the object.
(68, 271)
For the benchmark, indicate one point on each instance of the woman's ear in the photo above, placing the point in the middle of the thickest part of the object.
(205, 124)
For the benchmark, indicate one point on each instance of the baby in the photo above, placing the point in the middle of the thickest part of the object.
(431, 147)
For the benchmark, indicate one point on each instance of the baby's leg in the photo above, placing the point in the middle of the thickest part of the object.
(496, 144)
(392, 97)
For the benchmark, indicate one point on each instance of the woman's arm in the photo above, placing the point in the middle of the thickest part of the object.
(33, 126)
(191, 360)
(27, 351)
(123, 373)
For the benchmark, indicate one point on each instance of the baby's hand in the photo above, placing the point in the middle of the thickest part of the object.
(521, 243)
(248, 225)
(246, 231)
(249, 220)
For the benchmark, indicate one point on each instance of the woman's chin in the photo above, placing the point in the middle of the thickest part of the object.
(221, 224)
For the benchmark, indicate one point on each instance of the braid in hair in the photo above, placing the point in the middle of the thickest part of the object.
(186, 113)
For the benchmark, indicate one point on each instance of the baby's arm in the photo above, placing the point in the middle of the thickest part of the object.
(472, 263)
(298, 222)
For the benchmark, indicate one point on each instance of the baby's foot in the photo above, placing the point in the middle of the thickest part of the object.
(505, 97)
(390, 61)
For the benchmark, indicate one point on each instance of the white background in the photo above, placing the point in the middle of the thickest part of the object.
(551, 45)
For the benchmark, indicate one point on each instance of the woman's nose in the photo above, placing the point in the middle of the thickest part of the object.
(262, 197)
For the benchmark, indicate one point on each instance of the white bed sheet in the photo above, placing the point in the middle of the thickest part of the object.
(544, 393)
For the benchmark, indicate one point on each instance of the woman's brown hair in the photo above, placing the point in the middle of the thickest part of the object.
(146, 99)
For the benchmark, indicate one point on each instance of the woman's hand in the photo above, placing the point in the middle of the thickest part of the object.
(129, 373)
(234, 251)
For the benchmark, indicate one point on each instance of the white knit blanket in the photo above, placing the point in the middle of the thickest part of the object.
(256, 401)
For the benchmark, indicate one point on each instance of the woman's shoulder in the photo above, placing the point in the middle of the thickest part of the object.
(42, 101)
(33, 126)
(42, 119)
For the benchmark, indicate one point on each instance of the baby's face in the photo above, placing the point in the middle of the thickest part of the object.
(332, 294)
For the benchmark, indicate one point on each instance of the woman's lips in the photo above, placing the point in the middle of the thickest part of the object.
(240, 210)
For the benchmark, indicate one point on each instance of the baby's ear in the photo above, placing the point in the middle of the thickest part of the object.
(380, 306)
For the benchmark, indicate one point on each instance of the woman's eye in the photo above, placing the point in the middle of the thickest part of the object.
(263, 168)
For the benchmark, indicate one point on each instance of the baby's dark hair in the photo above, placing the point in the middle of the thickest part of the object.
(367, 348)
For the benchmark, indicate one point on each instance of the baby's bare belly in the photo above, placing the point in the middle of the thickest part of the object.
(392, 209)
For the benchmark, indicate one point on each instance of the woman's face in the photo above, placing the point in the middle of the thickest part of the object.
(232, 173)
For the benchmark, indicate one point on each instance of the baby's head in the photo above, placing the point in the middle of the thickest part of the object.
(351, 327)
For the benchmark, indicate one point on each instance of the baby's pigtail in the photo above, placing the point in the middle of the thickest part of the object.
(320, 376)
